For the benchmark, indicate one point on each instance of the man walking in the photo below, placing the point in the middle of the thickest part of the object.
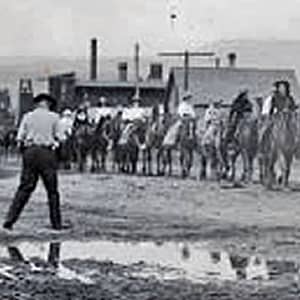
(37, 137)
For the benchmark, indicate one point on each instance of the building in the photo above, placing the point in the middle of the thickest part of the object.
(25, 97)
(210, 83)
(7, 118)
(62, 88)
(70, 91)
(121, 92)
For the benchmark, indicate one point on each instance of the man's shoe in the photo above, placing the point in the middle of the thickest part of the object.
(7, 226)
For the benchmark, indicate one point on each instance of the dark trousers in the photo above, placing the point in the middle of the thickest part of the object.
(37, 162)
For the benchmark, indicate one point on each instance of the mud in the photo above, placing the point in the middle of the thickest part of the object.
(152, 238)
(116, 270)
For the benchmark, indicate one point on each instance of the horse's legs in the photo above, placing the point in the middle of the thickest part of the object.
(149, 160)
(203, 168)
(182, 163)
(159, 158)
(81, 161)
(144, 159)
(191, 161)
(286, 169)
(103, 160)
(232, 161)
(245, 162)
(133, 156)
(169, 159)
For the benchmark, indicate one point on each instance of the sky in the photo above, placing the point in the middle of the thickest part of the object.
(64, 27)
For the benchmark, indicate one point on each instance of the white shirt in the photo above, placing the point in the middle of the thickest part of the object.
(65, 125)
(133, 113)
(267, 105)
(212, 114)
(39, 127)
(186, 109)
(95, 113)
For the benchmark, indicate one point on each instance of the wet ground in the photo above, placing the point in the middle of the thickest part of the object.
(152, 238)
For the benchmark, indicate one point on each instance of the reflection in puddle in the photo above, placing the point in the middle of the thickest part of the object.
(164, 261)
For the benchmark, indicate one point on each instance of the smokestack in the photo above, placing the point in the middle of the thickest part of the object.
(156, 71)
(218, 62)
(232, 57)
(123, 71)
(137, 62)
(94, 58)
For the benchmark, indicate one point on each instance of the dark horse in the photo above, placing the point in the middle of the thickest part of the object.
(9, 142)
(155, 132)
(99, 144)
(245, 144)
(132, 137)
(82, 141)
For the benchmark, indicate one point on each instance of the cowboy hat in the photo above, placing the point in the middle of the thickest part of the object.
(44, 97)
(135, 98)
(103, 100)
(281, 82)
(219, 102)
(67, 112)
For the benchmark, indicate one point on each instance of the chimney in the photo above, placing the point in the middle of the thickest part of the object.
(94, 58)
(137, 62)
(123, 71)
(232, 57)
(218, 62)
(156, 71)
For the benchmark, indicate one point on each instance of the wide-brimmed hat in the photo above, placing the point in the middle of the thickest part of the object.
(281, 82)
(135, 99)
(44, 97)
(67, 112)
(218, 101)
(119, 109)
(103, 100)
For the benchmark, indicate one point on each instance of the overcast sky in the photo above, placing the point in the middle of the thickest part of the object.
(63, 27)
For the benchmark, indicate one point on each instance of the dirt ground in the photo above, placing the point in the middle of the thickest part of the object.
(245, 220)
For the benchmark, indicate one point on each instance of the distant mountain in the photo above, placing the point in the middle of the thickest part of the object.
(250, 53)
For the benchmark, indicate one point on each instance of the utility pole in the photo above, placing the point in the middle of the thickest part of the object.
(137, 70)
(186, 55)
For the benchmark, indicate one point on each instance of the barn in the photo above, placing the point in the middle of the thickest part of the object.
(210, 83)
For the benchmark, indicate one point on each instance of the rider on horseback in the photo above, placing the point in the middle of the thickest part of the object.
(213, 114)
(81, 116)
(187, 114)
(279, 101)
(240, 106)
(282, 98)
(185, 108)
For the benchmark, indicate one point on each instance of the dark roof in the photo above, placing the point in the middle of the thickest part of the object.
(225, 83)
(151, 84)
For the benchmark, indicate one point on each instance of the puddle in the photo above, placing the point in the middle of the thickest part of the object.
(168, 260)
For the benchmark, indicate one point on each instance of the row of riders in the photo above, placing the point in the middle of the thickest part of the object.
(263, 129)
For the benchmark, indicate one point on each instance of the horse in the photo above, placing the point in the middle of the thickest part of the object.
(99, 144)
(9, 142)
(170, 143)
(116, 128)
(186, 145)
(209, 148)
(129, 144)
(154, 136)
(280, 145)
(65, 152)
(246, 138)
(82, 141)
